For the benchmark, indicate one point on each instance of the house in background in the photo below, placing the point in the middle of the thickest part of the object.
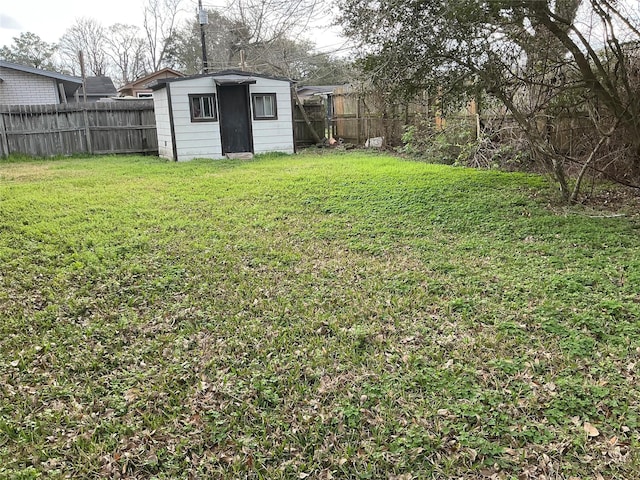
(22, 85)
(229, 113)
(139, 88)
(316, 92)
(97, 88)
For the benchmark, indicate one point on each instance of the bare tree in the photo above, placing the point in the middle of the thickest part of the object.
(160, 23)
(125, 49)
(224, 40)
(86, 35)
(268, 29)
(271, 20)
(279, 56)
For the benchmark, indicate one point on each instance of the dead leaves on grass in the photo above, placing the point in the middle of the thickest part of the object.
(590, 430)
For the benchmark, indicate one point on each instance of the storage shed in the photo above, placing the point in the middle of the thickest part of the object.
(228, 113)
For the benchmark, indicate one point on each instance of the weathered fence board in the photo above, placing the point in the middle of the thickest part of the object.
(302, 133)
(76, 128)
(358, 117)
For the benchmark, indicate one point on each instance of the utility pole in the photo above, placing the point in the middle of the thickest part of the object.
(84, 76)
(203, 19)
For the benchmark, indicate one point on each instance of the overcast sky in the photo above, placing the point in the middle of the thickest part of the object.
(49, 19)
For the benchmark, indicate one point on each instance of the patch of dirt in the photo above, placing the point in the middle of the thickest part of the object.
(617, 199)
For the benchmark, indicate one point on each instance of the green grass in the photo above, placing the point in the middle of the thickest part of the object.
(337, 316)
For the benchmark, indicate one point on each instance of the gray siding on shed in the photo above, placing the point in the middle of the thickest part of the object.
(161, 107)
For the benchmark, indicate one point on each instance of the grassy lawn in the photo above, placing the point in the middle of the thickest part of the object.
(338, 316)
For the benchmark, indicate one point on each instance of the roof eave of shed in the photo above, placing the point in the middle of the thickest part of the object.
(233, 80)
(219, 78)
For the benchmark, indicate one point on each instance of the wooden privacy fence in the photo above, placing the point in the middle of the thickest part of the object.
(348, 116)
(316, 114)
(93, 128)
(358, 117)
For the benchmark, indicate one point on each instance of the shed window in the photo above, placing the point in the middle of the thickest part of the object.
(264, 106)
(203, 108)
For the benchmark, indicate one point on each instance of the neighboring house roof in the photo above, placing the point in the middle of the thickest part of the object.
(70, 83)
(224, 77)
(309, 90)
(141, 83)
(99, 87)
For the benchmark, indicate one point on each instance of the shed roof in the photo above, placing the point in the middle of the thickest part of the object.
(233, 79)
(223, 77)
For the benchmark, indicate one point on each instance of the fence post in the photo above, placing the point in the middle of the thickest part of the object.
(60, 136)
(4, 146)
(87, 129)
(358, 115)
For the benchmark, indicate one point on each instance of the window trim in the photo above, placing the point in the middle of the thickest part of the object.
(195, 119)
(275, 105)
